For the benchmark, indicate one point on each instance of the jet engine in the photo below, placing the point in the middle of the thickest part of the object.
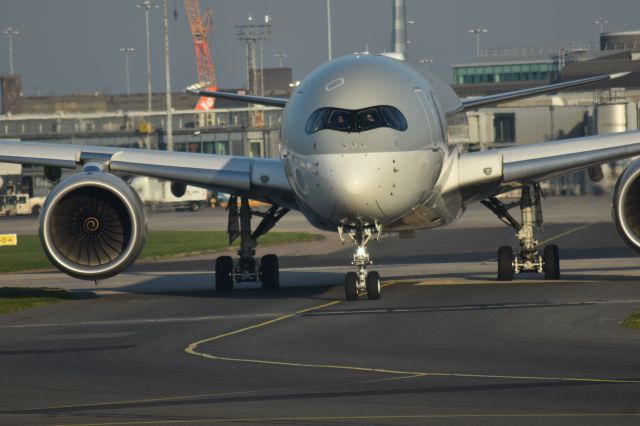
(93, 225)
(626, 205)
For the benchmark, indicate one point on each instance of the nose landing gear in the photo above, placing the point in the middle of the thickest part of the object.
(361, 282)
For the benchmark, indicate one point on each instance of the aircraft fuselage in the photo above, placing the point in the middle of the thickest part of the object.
(365, 143)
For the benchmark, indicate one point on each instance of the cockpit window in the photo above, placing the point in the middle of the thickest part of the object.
(361, 120)
(368, 119)
(339, 119)
(394, 118)
(316, 121)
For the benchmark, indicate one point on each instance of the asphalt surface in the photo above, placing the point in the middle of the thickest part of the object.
(446, 344)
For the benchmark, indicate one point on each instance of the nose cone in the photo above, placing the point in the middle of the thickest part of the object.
(357, 184)
(356, 191)
(345, 188)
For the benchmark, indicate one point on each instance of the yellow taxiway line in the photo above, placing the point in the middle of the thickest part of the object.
(193, 349)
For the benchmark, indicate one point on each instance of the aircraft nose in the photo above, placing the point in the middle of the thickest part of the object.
(357, 185)
(367, 186)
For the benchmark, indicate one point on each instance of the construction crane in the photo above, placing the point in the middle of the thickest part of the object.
(201, 26)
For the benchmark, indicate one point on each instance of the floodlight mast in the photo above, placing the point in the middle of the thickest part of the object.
(10, 32)
(602, 22)
(477, 31)
(280, 57)
(147, 6)
(127, 51)
(252, 35)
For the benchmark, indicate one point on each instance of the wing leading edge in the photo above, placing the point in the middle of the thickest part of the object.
(498, 169)
(259, 178)
(251, 99)
(534, 91)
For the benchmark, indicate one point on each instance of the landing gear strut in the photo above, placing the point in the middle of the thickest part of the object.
(245, 270)
(361, 282)
(528, 259)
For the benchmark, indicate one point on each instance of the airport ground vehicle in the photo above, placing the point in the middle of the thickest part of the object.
(20, 205)
(157, 194)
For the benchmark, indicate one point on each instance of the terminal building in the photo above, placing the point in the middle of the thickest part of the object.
(239, 129)
(231, 128)
(600, 108)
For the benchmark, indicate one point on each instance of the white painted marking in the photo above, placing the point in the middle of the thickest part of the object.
(80, 336)
(144, 321)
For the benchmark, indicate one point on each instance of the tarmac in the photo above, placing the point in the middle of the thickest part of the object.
(446, 344)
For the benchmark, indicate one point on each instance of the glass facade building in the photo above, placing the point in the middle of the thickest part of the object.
(505, 72)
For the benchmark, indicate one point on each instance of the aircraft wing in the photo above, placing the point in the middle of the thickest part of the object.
(258, 178)
(534, 91)
(251, 99)
(498, 169)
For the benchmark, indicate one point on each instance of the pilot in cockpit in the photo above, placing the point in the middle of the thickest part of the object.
(340, 120)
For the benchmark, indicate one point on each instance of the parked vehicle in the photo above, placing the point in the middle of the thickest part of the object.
(20, 204)
(157, 195)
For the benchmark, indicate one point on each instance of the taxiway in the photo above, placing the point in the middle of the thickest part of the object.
(446, 344)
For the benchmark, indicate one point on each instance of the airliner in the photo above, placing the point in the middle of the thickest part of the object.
(364, 151)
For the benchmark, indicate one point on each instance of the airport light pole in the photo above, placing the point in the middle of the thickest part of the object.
(127, 51)
(280, 57)
(602, 22)
(330, 52)
(426, 62)
(267, 21)
(146, 6)
(167, 75)
(477, 31)
(10, 32)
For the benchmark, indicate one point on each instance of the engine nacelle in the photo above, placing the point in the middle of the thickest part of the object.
(626, 205)
(93, 225)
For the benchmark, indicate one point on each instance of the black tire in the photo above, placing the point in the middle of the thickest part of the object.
(35, 210)
(269, 272)
(505, 263)
(373, 285)
(224, 273)
(194, 206)
(351, 286)
(551, 258)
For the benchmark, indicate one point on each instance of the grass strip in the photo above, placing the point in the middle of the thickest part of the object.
(632, 321)
(14, 299)
(28, 255)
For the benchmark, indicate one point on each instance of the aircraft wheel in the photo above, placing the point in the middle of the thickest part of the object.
(351, 286)
(373, 285)
(224, 273)
(269, 272)
(551, 258)
(505, 263)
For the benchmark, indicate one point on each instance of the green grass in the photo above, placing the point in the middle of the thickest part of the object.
(14, 299)
(632, 321)
(28, 255)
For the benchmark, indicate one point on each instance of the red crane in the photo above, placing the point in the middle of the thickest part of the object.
(201, 26)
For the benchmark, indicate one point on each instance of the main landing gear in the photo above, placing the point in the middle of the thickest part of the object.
(245, 270)
(361, 282)
(528, 259)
